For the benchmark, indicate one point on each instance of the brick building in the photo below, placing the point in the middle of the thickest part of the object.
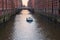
(47, 6)
(0, 4)
(9, 4)
(59, 6)
(39, 5)
(17, 3)
(31, 3)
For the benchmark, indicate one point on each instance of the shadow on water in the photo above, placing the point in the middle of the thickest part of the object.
(19, 29)
(2, 25)
(6, 29)
(51, 30)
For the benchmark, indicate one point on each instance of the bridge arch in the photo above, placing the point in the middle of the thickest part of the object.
(27, 8)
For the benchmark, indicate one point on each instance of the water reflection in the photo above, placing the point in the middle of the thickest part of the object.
(20, 29)
(25, 30)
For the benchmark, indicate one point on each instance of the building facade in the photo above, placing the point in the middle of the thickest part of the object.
(18, 3)
(59, 6)
(10, 3)
(48, 6)
(31, 3)
(6, 5)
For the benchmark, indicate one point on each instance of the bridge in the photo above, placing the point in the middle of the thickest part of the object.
(27, 8)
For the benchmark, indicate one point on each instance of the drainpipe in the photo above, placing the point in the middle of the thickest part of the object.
(6, 7)
(52, 7)
(59, 7)
(3, 14)
(12, 6)
(6, 4)
(2, 5)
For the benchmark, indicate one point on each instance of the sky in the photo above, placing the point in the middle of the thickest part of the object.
(25, 2)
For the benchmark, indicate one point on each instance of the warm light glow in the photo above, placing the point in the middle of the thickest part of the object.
(25, 2)
(25, 12)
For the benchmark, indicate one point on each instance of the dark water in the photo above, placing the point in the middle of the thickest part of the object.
(19, 29)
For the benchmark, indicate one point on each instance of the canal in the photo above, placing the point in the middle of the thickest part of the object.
(19, 29)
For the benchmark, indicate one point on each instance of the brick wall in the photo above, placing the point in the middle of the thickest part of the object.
(31, 3)
(9, 4)
(48, 6)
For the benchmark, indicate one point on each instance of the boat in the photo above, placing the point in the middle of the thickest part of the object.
(29, 19)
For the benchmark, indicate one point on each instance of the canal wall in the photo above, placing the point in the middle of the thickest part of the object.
(49, 16)
(7, 14)
(9, 8)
